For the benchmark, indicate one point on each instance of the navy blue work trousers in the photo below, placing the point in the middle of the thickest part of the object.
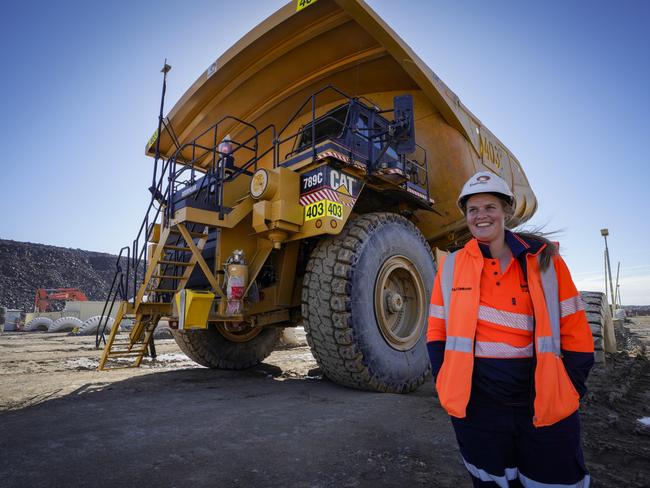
(501, 447)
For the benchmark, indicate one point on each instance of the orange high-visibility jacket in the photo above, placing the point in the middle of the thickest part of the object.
(560, 324)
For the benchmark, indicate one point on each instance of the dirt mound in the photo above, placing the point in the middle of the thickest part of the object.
(616, 449)
(24, 267)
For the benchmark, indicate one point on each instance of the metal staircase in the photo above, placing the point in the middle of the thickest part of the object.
(170, 266)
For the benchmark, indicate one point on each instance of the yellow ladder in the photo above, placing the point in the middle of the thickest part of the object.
(129, 353)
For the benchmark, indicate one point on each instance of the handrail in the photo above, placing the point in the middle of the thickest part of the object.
(162, 195)
(424, 166)
(113, 292)
(279, 140)
(253, 161)
(206, 131)
(216, 169)
(312, 98)
(139, 256)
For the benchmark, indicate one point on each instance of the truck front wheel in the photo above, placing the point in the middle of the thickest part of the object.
(365, 302)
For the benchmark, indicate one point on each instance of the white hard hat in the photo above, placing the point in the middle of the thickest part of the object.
(485, 182)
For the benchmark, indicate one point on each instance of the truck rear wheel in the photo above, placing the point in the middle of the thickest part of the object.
(365, 301)
(220, 349)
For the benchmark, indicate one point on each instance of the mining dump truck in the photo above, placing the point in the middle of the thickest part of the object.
(308, 177)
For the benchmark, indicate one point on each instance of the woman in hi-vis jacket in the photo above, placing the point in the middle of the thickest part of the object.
(510, 349)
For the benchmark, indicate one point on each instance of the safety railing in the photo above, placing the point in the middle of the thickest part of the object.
(201, 157)
(293, 137)
(209, 153)
(420, 169)
(118, 289)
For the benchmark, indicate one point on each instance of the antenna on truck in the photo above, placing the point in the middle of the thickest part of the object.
(165, 69)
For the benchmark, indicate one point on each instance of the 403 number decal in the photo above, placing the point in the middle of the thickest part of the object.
(323, 208)
(300, 4)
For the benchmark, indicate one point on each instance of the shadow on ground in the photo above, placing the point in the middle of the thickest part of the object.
(199, 427)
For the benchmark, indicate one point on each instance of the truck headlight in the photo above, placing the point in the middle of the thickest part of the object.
(263, 184)
(259, 183)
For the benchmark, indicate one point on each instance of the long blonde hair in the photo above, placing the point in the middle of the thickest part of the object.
(550, 250)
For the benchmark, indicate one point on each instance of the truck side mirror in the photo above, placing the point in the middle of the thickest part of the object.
(404, 124)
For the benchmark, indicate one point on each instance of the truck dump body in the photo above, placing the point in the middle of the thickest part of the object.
(269, 72)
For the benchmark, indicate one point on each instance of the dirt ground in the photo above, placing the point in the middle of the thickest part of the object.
(172, 423)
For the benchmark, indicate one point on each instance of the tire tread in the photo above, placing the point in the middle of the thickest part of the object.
(326, 306)
(211, 349)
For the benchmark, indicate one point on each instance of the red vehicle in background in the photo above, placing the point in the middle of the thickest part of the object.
(46, 296)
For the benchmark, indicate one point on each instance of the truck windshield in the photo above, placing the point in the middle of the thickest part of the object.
(329, 126)
(378, 134)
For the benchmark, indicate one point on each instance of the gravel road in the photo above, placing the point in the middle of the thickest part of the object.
(172, 423)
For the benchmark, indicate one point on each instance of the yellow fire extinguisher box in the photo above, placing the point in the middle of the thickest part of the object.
(193, 308)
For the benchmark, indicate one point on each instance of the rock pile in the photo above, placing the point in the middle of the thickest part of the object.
(24, 267)
(636, 310)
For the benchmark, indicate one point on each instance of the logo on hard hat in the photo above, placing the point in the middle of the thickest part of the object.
(481, 180)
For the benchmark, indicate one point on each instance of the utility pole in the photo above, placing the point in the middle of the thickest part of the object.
(608, 272)
(618, 287)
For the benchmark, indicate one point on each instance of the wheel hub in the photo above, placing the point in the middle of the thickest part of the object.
(400, 302)
(394, 302)
(238, 331)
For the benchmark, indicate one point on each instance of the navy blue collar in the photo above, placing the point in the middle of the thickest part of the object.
(516, 244)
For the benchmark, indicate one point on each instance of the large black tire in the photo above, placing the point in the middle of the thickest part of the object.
(599, 317)
(339, 304)
(209, 348)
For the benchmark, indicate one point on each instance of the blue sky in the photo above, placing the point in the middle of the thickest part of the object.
(564, 84)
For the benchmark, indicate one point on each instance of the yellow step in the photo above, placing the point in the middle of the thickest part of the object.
(136, 352)
(176, 248)
(192, 234)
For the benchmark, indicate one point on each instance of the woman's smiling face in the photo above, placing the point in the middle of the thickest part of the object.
(485, 216)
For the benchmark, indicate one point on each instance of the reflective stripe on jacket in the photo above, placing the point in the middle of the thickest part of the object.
(560, 324)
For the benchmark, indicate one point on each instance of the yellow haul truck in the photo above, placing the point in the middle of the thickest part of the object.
(306, 178)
